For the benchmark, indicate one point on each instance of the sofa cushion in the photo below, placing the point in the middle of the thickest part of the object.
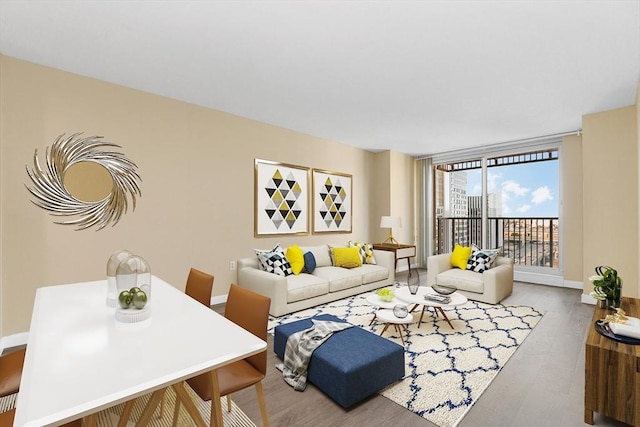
(460, 256)
(320, 253)
(346, 257)
(340, 278)
(372, 273)
(478, 262)
(365, 250)
(274, 261)
(309, 262)
(296, 258)
(304, 286)
(464, 280)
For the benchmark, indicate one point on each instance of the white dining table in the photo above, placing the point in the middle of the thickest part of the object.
(81, 360)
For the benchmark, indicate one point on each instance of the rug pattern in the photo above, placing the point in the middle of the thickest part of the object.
(446, 369)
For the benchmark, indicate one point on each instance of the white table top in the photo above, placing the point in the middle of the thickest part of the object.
(375, 300)
(80, 360)
(403, 293)
(387, 316)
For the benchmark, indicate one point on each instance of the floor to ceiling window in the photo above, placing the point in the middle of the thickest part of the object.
(502, 200)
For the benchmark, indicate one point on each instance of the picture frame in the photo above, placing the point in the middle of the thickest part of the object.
(281, 199)
(332, 202)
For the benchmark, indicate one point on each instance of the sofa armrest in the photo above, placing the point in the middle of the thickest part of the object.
(436, 264)
(265, 283)
(498, 281)
(386, 259)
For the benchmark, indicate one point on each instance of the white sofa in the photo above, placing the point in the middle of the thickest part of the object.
(491, 287)
(326, 284)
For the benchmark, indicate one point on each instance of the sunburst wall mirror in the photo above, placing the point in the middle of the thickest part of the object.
(86, 180)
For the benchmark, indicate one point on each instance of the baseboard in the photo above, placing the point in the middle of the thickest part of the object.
(588, 299)
(573, 284)
(15, 340)
(538, 278)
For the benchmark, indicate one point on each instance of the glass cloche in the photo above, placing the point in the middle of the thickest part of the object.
(133, 282)
(112, 265)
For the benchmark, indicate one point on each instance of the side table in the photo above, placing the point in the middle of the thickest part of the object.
(400, 251)
(389, 318)
(612, 372)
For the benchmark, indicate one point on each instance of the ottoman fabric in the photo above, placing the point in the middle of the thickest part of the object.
(351, 365)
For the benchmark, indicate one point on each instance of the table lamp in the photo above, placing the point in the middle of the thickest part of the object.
(390, 222)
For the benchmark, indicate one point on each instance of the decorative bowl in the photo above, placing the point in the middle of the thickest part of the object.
(385, 295)
(400, 311)
(443, 289)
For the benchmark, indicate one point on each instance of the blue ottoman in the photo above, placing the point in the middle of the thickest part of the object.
(351, 365)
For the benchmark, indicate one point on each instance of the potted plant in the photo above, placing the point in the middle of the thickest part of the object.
(607, 286)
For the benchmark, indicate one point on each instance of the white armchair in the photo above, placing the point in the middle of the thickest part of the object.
(491, 287)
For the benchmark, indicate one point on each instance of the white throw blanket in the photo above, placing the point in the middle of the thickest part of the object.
(301, 345)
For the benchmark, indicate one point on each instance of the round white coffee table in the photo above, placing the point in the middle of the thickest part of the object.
(387, 316)
(375, 300)
(403, 294)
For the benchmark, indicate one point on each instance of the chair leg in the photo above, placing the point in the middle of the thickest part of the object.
(228, 403)
(263, 405)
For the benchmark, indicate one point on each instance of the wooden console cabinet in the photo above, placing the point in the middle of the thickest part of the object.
(612, 372)
(400, 251)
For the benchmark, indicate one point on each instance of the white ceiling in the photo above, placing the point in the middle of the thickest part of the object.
(418, 77)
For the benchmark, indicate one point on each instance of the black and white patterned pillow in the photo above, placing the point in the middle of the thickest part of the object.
(478, 262)
(274, 261)
(365, 250)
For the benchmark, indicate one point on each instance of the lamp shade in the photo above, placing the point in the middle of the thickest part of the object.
(390, 222)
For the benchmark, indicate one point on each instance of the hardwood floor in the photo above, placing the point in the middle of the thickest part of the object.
(541, 385)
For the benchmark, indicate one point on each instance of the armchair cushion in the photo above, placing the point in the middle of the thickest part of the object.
(460, 256)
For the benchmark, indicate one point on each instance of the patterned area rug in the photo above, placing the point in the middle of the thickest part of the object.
(109, 417)
(446, 369)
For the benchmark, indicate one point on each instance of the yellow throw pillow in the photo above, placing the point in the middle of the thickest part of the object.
(295, 256)
(460, 256)
(346, 257)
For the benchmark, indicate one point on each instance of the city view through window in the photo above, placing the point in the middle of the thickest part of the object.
(522, 207)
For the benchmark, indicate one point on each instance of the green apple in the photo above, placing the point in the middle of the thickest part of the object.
(134, 290)
(139, 299)
(125, 299)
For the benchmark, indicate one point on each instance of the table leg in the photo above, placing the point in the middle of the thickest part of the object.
(386, 325)
(400, 333)
(588, 416)
(126, 413)
(421, 314)
(152, 404)
(185, 399)
(216, 406)
(444, 315)
(92, 420)
(373, 320)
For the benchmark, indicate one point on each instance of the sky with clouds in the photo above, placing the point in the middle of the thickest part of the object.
(528, 190)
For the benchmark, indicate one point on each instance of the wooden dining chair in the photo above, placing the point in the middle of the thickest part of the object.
(6, 420)
(11, 365)
(249, 310)
(11, 371)
(199, 287)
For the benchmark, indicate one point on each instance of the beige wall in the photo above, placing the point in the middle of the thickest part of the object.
(197, 184)
(394, 193)
(571, 207)
(610, 195)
